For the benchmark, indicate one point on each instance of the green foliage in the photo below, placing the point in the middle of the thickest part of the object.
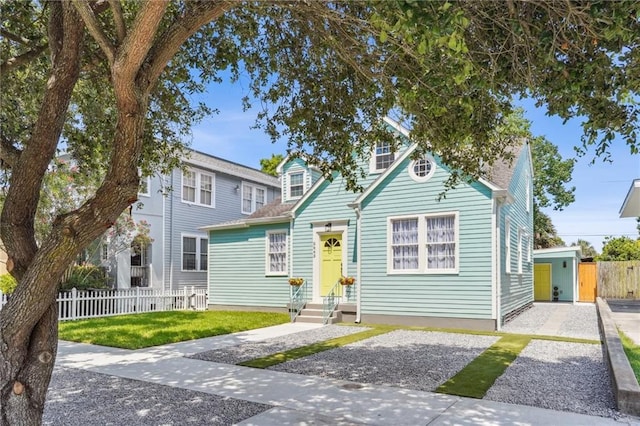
(7, 283)
(545, 234)
(586, 248)
(621, 248)
(84, 277)
(159, 328)
(269, 165)
(633, 353)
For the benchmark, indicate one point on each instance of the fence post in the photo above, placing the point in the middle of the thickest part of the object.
(137, 307)
(74, 303)
(192, 299)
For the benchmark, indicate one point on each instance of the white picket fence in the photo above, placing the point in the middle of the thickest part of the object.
(103, 303)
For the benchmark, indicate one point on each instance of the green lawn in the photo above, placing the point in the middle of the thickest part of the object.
(633, 353)
(159, 328)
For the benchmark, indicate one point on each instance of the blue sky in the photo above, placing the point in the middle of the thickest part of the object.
(600, 186)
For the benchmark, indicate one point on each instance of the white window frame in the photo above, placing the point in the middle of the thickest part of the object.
(507, 244)
(373, 162)
(426, 177)
(147, 181)
(423, 267)
(199, 188)
(198, 238)
(304, 183)
(520, 243)
(253, 189)
(104, 252)
(528, 192)
(267, 254)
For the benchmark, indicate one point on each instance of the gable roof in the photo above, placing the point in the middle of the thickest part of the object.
(631, 205)
(501, 171)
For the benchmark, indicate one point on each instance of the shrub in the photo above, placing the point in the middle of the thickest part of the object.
(85, 277)
(7, 283)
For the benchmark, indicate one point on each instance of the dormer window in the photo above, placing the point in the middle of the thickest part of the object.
(296, 184)
(382, 157)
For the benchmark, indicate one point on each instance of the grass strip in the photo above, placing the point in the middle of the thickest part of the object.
(633, 353)
(158, 328)
(304, 351)
(479, 375)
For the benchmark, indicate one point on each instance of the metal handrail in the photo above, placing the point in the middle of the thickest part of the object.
(331, 301)
(297, 300)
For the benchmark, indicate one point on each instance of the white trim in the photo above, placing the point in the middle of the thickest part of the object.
(631, 204)
(420, 179)
(254, 190)
(286, 159)
(337, 227)
(198, 237)
(528, 191)
(148, 180)
(556, 250)
(267, 263)
(423, 268)
(215, 164)
(519, 249)
(287, 188)
(198, 188)
(507, 244)
(373, 159)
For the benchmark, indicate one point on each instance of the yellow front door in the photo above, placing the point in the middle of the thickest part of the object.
(330, 261)
(542, 281)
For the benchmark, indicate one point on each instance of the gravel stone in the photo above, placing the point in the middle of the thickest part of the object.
(80, 398)
(411, 359)
(559, 376)
(248, 351)
(581, 321)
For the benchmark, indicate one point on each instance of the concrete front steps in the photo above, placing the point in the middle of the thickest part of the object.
(312, 313)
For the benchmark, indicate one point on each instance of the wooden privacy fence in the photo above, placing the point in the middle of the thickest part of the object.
(619, 280)
(102, 303)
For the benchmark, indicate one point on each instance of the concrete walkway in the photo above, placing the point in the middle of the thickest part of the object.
(302, 399)
(626, 315)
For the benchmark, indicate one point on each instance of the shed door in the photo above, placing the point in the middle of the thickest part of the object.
(542, 282)
(330, 262)
(587, 280)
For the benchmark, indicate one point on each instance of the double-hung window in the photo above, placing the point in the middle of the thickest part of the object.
(198, 188)
(296, 184)
(423, 244)
(520, 248)
(507, 244)
(383, 156)
(194, 253)
(276, 262)
(253, 197)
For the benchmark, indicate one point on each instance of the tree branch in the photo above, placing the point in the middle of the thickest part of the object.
(94, 29)
(22, 59)
(179, 31)
(14, 37)
(139, 40)
(9, 154)
(121, 29)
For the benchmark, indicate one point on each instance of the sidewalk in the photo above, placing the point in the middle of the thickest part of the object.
(298, 399)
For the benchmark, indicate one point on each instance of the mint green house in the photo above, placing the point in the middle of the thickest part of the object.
(464, 260)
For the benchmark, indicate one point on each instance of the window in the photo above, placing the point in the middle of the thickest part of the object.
(253, 197)
(404, 244)
(104, 255)
(422, 169)
(520, 243)
(145, 185)
(441, 242)
(197, 188)
(204, 251)
(189, 186)
(507, 244)
(194, 253)
(276, 253)
(382, 157)
(423, 244)
(296, 184)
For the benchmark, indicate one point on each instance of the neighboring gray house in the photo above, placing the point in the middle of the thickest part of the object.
(208, 190)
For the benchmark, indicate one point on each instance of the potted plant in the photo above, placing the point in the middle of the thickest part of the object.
(347, 280)
(296, 281)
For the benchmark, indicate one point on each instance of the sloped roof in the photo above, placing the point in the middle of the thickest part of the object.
(274, 209)
(225, 166)
(631, 205)
(501, 171)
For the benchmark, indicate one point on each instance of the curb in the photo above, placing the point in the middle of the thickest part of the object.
(625, 386)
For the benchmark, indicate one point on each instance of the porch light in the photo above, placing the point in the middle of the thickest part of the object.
(327, 227)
